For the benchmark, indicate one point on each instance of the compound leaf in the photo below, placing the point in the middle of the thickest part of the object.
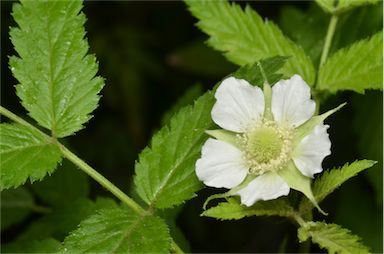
(233, 210)
(165, 172)
(25, 153)
(245, 38)
(355, 68)
(119, 231)
(331, 237)
(57, 83)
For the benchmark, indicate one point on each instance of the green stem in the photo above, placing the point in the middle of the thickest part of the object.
(328, 39)
(101, 180)
(15, 118)
(90, 171)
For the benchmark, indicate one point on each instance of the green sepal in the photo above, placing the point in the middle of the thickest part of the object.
(226, 136)
(306, 128)
(297, 181)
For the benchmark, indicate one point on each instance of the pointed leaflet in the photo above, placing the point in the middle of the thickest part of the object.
(245, 38)
(233, 210)
(25, 153)
(165, 172)
(355, 68)
(332, 179)
(331, 237)
(119, 230)
(57, 79)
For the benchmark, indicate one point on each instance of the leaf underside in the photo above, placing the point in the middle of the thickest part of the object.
(57, 83)
(25, 153)
(119, 231)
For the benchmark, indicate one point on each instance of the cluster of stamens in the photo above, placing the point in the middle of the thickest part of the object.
(266, 147)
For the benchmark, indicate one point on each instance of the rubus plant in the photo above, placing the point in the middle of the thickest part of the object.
(272, 139)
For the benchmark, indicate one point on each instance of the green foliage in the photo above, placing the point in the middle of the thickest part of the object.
(165, 172)
(340, 6)
(48, 245)
(252, 72)
(16, 205)
(356, 68)
(119, 230)
(331, 237)
(57, 79)
(25, 153)
(233, 210)
(64, 186)
(332, 179)
(245, 38)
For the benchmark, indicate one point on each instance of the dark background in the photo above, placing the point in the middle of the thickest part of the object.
(150, 53)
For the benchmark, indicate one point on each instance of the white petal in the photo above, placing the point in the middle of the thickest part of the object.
(238, 104)
(312, 150)
(265, 187)
(291, 102)
(220, 165)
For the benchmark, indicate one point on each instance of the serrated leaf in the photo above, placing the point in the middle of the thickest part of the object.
(331, 237)
(16, 205)
(233, 210)
(340, 6)
(245, 38)
(253, 75)
(355, 68)
(25, 153)
(119, 231)
(57, 79)
(48, 245)
(165, 172)
(64, 186)
(332, 179)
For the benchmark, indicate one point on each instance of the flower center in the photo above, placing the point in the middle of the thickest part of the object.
(266, 148)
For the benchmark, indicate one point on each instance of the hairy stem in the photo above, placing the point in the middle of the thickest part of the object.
(328, 39)
(91, 172)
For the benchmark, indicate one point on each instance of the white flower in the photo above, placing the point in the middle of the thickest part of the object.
(263, 135)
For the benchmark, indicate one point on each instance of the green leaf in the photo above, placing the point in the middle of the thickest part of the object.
(253, 75)
(25, 153)
(57, 79)
(48, 245)
(331, 237)
(165, 172)
(119, 231)
(355, 68)
(233, 210)
(332, 179)
(64, 186)
(245, 38)
(340, 6)
(16, 205)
